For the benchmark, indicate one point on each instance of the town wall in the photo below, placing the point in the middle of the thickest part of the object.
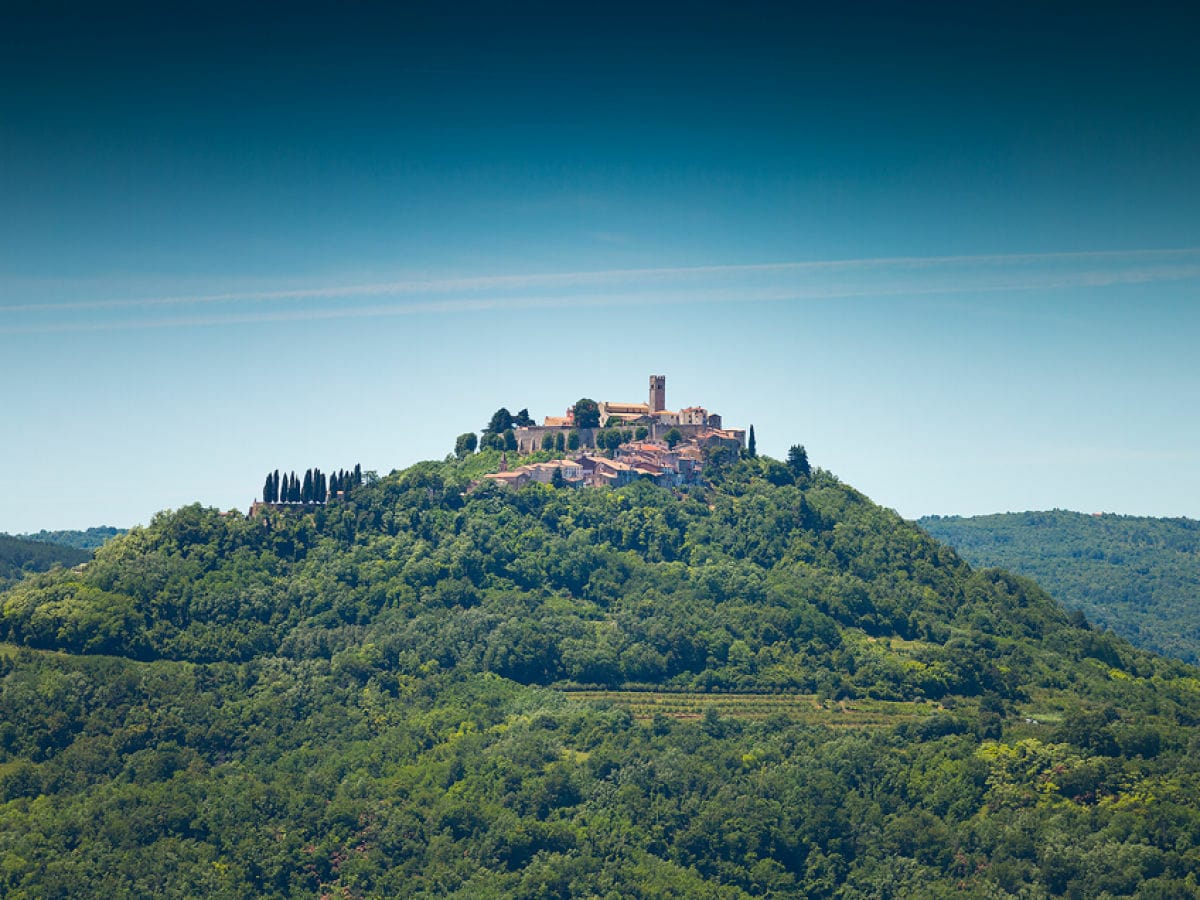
(529, 440)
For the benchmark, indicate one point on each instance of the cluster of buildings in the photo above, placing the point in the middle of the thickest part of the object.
(644, 459)
(649, 458)
(694, 423)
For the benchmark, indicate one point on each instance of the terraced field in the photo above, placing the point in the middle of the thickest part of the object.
(806, 708)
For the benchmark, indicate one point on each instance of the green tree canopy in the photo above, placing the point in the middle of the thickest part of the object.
(465, 444)
(587, 413)
(756, 686)
(501, 421)
(797, 460)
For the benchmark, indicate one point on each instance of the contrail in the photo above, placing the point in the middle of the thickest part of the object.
(1001, 281)
(586, 278)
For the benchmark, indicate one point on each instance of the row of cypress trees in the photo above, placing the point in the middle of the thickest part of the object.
(316, 487)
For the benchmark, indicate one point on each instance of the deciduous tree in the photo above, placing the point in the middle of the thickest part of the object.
(465, 445)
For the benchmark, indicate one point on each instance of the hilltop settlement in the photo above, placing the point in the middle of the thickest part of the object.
(593, 444)
(610, 443)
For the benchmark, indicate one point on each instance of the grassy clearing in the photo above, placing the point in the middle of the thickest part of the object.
(803, 708)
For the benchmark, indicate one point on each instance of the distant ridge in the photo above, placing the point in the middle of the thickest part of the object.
(89, 539)
(19, 557)
(1138, 575)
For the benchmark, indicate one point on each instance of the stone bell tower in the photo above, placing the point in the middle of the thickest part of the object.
(658, 393)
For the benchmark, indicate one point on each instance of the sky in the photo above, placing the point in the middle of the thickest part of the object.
(953, 250)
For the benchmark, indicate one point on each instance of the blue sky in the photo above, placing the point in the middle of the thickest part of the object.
(953, 252)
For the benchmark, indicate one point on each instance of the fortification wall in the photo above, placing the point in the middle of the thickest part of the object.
(529, 439)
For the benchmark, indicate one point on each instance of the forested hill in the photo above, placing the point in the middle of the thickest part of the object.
(88, 539)
(1138, 576)
(19, 557)
(766, 686)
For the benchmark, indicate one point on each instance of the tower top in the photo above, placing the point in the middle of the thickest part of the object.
(658, 393)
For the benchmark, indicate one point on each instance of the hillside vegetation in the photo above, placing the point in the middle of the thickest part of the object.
(1138, 576)
(20, 557)
(765, 687)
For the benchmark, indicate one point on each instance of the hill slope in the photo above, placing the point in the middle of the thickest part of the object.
(386, 697)
(1138, 576)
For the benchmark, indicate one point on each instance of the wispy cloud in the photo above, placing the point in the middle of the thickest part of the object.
(756, 283)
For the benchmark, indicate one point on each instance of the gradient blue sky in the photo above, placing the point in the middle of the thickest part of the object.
(953, 250)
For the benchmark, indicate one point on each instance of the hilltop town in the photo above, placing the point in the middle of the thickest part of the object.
(595, 443)
(613, 443)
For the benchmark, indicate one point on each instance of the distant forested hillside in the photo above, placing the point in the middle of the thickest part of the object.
(90, 539)
(764, 686)
(19, 557)
(1138, 576)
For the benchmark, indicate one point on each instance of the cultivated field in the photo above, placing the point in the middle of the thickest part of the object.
(857, 713)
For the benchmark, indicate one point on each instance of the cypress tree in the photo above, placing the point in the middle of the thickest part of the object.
(306, 489)
(266, 492)
(275, 488)
(294, 489)
(751, 446)
(357, 474)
